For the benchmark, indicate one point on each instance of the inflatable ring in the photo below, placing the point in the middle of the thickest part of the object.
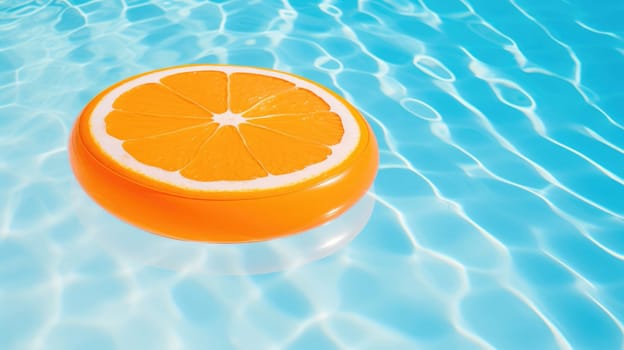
(224, 154)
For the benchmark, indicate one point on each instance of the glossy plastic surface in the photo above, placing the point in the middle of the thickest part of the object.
(208, 259)
(215, 217)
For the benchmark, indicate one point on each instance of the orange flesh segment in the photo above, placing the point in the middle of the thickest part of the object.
(288, 102)
(157, 99)
(223, 157)
(321, 127)
(171, 125)
(207, 89)
(125, 125)
(170, 151)
(248, 89)
(279, 153)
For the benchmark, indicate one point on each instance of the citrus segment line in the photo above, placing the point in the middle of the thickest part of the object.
(153, 136)
(295, 137)
(163, 115)
(197, 150)
(251, 152)
(155, 97)
(283, 154)
(168, 152)
(206, 88)
(223, 157)
(279, 115)
(266, 99)
(248, 88)
(295, 100)
(320, 127)
(186, 98)
(125, 126)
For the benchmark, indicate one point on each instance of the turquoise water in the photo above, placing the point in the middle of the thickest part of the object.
(499, 216)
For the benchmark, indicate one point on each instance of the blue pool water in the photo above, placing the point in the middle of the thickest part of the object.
(499, 216)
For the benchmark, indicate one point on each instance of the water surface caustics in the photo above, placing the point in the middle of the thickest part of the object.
(499, 218)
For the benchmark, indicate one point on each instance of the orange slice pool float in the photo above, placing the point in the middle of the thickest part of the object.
(226, 154)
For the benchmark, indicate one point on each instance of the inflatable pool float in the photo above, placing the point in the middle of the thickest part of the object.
(222, 154)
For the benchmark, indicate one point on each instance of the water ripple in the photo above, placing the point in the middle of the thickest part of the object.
(434, 68)
(498, 216)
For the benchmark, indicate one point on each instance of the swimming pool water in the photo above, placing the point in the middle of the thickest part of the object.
(499, 217)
